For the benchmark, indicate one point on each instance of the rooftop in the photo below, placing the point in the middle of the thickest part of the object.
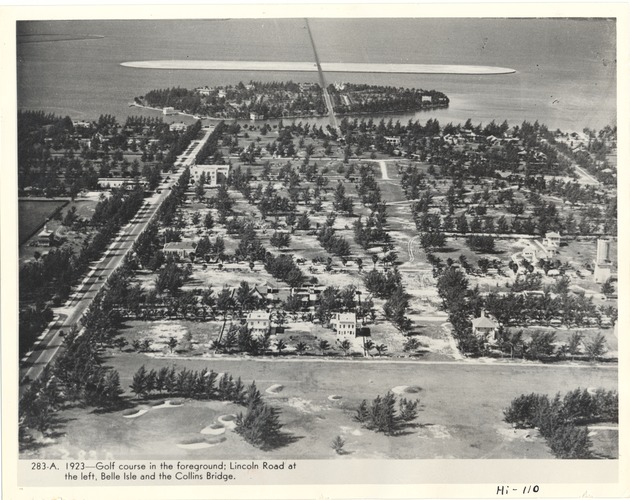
(180, 245)
(483, 322)
(349, 317)
(254, 315)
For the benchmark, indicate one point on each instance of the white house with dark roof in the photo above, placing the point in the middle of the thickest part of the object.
(485, 327)
(344, 323)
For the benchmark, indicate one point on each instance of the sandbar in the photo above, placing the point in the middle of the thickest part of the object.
(450, 69)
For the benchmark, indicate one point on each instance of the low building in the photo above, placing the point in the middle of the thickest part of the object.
(485, 327)
(120, 182)
(45, 238)
(81, 124)
(259, 322)
(529, 253)
(344, 323)
(177, 126)
(552, 241)
(256, 116)
(213, 173)
(169, 110)
(181, 249)
(394, 140)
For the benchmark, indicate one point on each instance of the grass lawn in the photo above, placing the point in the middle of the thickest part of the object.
(33, 214)
(459, 418)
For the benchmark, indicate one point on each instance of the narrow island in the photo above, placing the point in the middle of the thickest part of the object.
(273, 100)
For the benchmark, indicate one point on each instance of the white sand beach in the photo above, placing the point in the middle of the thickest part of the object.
(452, 69)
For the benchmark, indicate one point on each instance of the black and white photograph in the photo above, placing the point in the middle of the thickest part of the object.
(254, 241)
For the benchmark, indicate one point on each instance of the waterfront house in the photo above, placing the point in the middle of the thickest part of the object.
(259, 322)
(344, 323)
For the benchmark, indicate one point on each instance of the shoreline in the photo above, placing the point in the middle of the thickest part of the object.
(288, 117)
(310, 67)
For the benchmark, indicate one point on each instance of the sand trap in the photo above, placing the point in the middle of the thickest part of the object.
(199, 444)
(406, 389)
(274, 389)
(350, 430)
(214, 430)
(136, 414)
(303, 405)
(452, 69)
(167, 404)
(229, 421)
(334, 397)
(413, 389)
(155, 404)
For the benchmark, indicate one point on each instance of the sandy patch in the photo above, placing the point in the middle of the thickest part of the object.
(274, 389)
(199, 445)
(214, 430)
(229, 421)
(334, 397)
(515, 434)
(406, 389)
(435, 432)
(168, 404)
(303, 405)
(164, 330)
(350, 430)
(137, 414)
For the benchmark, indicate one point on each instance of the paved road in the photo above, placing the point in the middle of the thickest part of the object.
(46, 348)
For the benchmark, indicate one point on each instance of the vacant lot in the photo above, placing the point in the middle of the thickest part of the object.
(461, 415)
(33, 214)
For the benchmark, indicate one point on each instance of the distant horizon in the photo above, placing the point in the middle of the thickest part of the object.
(564, 70)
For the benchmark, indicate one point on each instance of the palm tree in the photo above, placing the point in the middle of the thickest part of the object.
(216, 345)
(324, 346)
(368, 345)
(300, 348)
(380, 349)
(345, 346)
(172, 343)
(280, 346)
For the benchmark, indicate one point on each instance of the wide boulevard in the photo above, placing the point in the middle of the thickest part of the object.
(68, 316)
